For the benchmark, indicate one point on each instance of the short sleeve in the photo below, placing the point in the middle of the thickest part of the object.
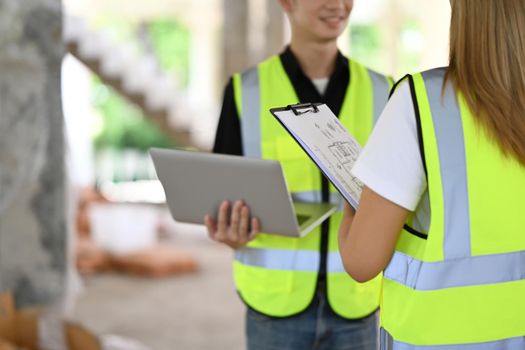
(390, 163)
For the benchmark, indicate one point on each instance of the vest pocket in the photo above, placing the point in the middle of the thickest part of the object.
(262, 280)
(299, 170)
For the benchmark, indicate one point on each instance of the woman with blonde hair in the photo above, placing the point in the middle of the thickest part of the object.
(442, 213)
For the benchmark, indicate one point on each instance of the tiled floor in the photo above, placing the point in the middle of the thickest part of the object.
(199, 311)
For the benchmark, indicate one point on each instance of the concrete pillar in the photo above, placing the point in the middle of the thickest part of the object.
(32, 186)
(252, 31)
(235, 37)
(203, 90)
(275, 28)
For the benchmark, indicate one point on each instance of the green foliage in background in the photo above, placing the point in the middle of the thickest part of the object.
(365, 42)
(171, 43)
(411, 47)
(123, 124)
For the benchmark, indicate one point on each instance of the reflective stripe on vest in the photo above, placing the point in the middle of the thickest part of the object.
(381, 88)
(388, 343)
(449, 135)
(476, 270)
(290, 260)
(251, 132)
(316, 197)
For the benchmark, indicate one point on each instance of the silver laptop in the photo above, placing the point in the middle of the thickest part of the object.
(196, 183)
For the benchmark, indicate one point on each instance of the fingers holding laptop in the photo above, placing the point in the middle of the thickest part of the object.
(233, 227)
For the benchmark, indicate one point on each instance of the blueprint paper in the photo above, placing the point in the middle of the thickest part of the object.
(329, 144)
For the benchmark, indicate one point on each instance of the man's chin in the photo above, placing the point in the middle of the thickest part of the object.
(331, 35)
(333, 30)
(327, 39)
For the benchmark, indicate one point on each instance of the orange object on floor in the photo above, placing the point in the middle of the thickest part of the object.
(7, 314)
(5, 345)
(158, 261)
(19, 329)
(86, 197)
(80, 339)
(90, 258)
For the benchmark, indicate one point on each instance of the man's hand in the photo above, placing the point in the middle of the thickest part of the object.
(232, 229)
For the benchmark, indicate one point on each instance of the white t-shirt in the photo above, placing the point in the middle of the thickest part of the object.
(321, 85)
(390, 163)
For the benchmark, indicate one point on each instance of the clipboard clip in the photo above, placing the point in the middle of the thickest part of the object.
(303, 108)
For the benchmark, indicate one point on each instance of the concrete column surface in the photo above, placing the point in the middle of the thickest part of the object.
(32, 186)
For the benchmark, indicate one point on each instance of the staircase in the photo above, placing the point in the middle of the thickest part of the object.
(136, 78)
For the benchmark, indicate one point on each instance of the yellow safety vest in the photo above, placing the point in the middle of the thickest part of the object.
(277, 275)
(461, 286)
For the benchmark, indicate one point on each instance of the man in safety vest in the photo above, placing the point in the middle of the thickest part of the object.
(297, 293)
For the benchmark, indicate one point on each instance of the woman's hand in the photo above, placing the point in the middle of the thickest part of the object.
(232, 227)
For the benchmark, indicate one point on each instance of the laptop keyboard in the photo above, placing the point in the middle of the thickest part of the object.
(302, 218)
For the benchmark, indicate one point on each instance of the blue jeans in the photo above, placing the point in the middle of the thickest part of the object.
(318, 327)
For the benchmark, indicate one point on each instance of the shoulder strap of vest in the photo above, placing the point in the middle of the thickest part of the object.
(380, 85)
(396, 84)
(418, 123)
(410, 80)
(417, 115)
